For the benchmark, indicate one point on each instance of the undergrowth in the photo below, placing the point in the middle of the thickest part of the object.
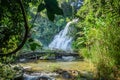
(98, 37)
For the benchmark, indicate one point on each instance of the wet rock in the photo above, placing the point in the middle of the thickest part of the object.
(87, 75)
(50, 74)
(22, 60)
(40, 76)
(44, 78)
(19, 77)
(68, 58)
(30, 77)
(19, 72)
(27, 68)
(66, 75)
(74, 73)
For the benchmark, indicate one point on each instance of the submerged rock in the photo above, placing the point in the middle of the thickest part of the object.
(66, 75)
(27, 68)
(22, 60)
(45, 78)
(30, 77)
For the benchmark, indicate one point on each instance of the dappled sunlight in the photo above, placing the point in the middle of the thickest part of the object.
(59, 40)
(40, 65)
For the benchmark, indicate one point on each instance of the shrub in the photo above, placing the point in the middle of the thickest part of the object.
(100, 21)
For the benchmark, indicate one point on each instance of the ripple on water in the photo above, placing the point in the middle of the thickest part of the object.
(38, 76)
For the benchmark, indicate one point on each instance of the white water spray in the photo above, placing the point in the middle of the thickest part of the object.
(62, 41)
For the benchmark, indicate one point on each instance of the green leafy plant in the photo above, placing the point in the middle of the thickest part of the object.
(98, 36)
(5, 72)
(14, 15)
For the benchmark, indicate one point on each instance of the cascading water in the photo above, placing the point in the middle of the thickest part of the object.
(39, 76)
(62, 41)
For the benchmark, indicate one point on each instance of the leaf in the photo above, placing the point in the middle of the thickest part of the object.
(59, 11)
(51, 3)
(33, 46)
(52, 6)
(30, 40)
(41, 7)
(50, 15)
(4, 3)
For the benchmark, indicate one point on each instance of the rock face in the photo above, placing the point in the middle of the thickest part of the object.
(19, 72)
(68, 58)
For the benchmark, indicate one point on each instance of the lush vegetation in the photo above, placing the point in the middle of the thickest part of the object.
(32, 24)
(14, 29)
(98, 36)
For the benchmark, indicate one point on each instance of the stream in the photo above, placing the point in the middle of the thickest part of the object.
(61, 41)
(39, 76)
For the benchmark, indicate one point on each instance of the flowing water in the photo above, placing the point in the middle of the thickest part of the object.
(37, 76)
(62, 41)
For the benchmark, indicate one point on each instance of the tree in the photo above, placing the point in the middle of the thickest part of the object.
(13, 18)
(98, 36)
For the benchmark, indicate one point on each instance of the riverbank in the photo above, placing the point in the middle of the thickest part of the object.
(62, 68)
(46, 65)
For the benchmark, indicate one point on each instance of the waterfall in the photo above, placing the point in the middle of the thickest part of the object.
(62, 41)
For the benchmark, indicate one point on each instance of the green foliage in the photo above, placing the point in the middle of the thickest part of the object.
(41, 7)
(98, 36)
(67, 9)
(6, 72)
(11, 26)
(6, 60)
(12, 22)
(54, 67)
(43, 29)
(52, 8)
(34, 44)
(78, 77)
(12, 19)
